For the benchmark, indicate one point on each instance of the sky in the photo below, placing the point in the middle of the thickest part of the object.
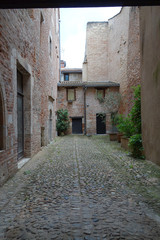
(73, 31)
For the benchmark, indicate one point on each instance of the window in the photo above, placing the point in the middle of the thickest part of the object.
(71, 94)
(100, 93)
(66, 77)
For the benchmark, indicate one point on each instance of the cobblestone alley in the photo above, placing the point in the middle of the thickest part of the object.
(82, 188)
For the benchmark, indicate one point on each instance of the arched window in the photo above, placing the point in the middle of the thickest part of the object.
(1, 123)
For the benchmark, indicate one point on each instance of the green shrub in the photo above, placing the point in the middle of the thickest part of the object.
(62, 123)
(135, 143)
(136, 110)
(125, 125)
(130, 126)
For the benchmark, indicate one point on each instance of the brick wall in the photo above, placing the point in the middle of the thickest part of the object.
(25, 45)
(118, 50)
(76, 108)
(113, 53)
(97, 51)
(133, 58)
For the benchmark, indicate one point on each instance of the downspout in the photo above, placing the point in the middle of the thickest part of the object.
(85, 122)
(59, 53)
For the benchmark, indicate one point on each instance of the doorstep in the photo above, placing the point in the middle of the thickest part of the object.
(22, 162)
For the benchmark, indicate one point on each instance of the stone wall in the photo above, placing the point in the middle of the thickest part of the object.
(28, 43)
(150, 65)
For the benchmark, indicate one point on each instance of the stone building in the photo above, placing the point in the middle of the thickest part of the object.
(113, 53)
(71, 74)
(86, 113)
(80, 98)
(29, 72)
(112, 61)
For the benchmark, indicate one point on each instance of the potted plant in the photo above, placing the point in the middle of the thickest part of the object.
(126, 127)
(110, 104)
(113, 130)
(62, 123)
(135, 143)
(119, 119)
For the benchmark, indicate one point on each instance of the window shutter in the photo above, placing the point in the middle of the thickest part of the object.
(71, 95)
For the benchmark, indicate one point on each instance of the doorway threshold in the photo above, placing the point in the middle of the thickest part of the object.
(22, 162)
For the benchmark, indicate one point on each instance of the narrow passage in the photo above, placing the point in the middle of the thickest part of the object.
(79, 188)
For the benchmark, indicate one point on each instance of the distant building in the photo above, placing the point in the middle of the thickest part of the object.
(80, 98)
(71, 74)
(112, 61)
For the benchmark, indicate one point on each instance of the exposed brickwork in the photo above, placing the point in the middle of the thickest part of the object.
(113, 53)
(76, 108)
(96, 51)
(27, 37)
(118, 50)
(133, 58)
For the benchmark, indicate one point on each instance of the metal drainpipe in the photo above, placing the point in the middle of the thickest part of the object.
(59, 52)
(85, 122)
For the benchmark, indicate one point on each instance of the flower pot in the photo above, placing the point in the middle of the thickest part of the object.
(113, 136)
(119, 136)
(124, 143)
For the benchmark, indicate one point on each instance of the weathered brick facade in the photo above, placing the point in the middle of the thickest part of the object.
(29, 44)
(96, 55)
(113, 53)
(85, 106)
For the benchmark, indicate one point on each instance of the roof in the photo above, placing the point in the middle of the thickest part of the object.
(87, 84)
(71, 70)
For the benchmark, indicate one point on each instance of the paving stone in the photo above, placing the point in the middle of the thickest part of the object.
(81, 188)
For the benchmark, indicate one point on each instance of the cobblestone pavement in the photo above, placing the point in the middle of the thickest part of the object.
(82, 188)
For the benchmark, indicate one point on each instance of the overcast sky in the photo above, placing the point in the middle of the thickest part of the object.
(73, 31)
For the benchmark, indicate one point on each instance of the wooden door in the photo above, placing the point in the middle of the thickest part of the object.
(20, 115)
(101, 123)
(77, 125)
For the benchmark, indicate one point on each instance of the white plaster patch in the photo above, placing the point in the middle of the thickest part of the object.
(10, 119)
(22, 162)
